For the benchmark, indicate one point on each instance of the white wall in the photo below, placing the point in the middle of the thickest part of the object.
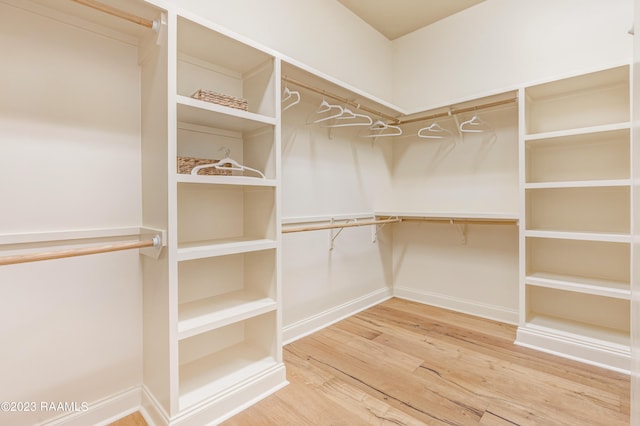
(468, 172)
(499, 45)
(432, 264)
(328, 177)
(319, 33)
(464, 174)
(69, 159)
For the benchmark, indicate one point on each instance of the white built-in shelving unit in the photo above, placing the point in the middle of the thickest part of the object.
(227, 227)
(576, 233)
(212, 302)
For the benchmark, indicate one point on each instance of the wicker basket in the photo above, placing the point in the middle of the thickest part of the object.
(186, 164)
(221, 99)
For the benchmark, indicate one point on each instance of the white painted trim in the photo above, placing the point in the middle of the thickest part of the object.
(493, 312)
(227, 404)
(102, 412)
(585, 351)
(219, 408)
(323, 319)
(152, 410)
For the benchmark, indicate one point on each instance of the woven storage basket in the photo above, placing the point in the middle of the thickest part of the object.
(221, 99)
(186, 164)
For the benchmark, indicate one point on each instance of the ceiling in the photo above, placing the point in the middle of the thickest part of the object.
(395, 18)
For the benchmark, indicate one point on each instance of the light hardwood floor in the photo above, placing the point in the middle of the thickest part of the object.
(404, 363)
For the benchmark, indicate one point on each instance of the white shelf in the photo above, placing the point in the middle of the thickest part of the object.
(220, 371)
(585, 236)
(452, 215)
(578, 131)
(593, 286)
(207, 314)
(573, 330)
(222, 247)
(208, 114)
(226, 180)
(579, 184)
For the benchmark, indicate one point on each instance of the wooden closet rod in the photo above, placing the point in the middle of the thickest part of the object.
(461, 221)
(396, 120)
(340, 99)
(340, 225)
(35, 257)
(117, 12)
(459, 111)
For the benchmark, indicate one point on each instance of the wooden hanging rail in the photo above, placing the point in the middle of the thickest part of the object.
(117, 12)
(459, 111)
(397, 120)
(458, 220)
(341, 225)
(339, 98)
(35, 257)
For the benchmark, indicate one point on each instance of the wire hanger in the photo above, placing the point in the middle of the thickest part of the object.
(434, 131)
(226, 163)
(481, 125)
(381, 129)
(287, 95)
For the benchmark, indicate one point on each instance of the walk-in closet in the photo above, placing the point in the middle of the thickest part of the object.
(223, 211)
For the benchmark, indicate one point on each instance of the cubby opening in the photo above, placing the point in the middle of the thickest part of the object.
(595, 99)
(585, 315)
(210, 214)
(584, 157)
(252, 148)
(212, 61)
(224, 357)
(579, 261)
(215, 291)
(582, 209)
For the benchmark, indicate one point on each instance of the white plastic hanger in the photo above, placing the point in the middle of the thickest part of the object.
(226, 163)
(354, 119)
(326, 107)
(466, 126)
(379, 129)
(287, 95)
(434, 131)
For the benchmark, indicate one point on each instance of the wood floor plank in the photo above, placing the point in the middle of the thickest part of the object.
(399, 387)
(405, 363)
(368, 408)
(436, 322)
(460, 363)
(134, 419)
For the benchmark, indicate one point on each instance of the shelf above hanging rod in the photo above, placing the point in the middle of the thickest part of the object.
(341, 225)
(155, 242)
(456, 220)
(119, 13)
(398, 120)
(457, 111)
(149, 240)
(339, 98)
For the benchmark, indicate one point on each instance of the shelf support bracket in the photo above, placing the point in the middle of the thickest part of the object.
(462, 230)
(334, 234)
(377, 228)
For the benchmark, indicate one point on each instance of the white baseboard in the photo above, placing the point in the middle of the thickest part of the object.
(321, 320)
(493, 312)
(220, 407)
(578, 348)
(102, 412)
(151, 409)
